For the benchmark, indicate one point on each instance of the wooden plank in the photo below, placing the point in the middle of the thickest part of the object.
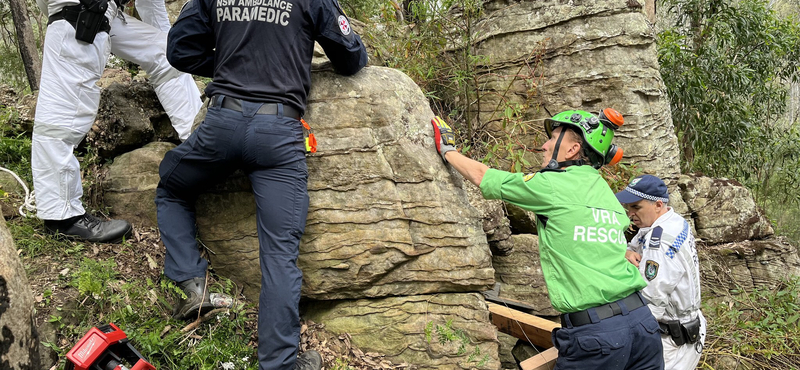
(543, 361)
(522, 325)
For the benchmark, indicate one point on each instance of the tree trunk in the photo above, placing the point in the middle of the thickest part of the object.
(650, 10)
(26, 42)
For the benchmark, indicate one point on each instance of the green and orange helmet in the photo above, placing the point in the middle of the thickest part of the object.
(597, 132)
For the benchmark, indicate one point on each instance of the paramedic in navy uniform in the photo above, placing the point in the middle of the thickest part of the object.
(258, 54)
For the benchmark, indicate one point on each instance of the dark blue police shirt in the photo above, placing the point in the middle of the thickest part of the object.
(260, 50)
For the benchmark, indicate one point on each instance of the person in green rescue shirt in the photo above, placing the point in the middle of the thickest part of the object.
(606, 323)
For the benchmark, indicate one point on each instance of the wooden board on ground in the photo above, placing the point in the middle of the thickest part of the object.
(528, 328)
(543, 361)
(522, 325)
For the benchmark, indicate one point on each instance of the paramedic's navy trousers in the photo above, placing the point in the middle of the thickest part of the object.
(271, 151)
(629, 341)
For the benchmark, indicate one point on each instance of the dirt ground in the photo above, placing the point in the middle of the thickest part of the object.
(48, 273)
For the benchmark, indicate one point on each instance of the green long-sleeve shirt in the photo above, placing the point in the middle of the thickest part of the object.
(581, 229)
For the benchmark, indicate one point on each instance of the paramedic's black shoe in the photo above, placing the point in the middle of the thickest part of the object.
(187, 308)
(89, 228)
(308, 360)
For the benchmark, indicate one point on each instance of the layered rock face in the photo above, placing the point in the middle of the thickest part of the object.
(733, 268)
(724, 211)
(441, 331)
(594, 55)
(390, 230)
(386, 217)
(131, 183)
(520, 274)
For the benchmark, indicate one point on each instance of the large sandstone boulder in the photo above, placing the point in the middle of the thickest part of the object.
(679, 205)
(11, 192)
(131, 183)
(19, 342)
(385, 218)
(723, 210)
(495, 224)
(741, 266)
(129, 117)
(520, 275)
(594, 54)
(442, 331)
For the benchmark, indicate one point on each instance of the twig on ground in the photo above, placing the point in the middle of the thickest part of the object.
(205, 317)
(165, 331)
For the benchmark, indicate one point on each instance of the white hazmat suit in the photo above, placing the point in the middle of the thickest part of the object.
(69, 97)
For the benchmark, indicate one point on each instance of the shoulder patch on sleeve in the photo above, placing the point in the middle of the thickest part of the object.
(650, 270)
(675, 247)
(344, 25)
(528, 177)
(655, 238)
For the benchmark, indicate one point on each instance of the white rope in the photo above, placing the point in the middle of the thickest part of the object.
(511, 311)
(27, 203)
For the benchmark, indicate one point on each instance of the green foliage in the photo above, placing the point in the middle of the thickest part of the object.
(221, 343)
(341, 364)
(511, 146)
(12, 71)
(8, 116)
(139, 309)
(448, 334)
(727, 66)
(724, 64)
(432, 42)
(370, 9)
(760, 329)
(27, 237)
(420, 49)
(93, 276)
(15, 155)
(11, 68)
(429, 331)
(618, 176)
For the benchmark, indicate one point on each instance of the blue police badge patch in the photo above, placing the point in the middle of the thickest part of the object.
(650, 270)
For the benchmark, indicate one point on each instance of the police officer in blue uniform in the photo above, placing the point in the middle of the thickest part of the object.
(258, 54)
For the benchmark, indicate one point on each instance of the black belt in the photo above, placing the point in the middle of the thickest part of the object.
(266, 108)
(70, 14)
(605, 311)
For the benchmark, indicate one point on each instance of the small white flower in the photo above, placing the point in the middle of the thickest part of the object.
(245, 358)
(227, 365)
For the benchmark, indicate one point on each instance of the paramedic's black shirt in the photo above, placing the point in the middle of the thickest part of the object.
(260, 50)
